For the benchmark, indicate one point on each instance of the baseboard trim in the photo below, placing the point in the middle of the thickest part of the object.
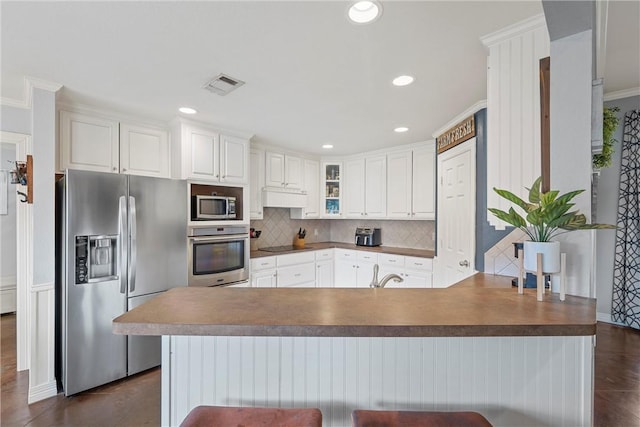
(42, 391)
(606, 318)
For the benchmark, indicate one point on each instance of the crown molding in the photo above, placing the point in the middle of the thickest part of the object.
(460, 117)
(30, 83)
(619, 94)
(514, 30)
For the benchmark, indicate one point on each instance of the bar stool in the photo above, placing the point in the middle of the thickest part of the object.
(366, 418)
(227, 416)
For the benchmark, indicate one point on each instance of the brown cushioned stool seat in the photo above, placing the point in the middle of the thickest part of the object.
(365, 418)
(209, 416)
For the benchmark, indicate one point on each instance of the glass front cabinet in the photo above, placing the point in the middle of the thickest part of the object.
(332, 189)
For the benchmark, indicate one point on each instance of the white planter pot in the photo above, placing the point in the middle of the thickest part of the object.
(550, 256)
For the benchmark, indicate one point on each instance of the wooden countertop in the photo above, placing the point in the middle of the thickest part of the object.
(424, 253)
(482, 305)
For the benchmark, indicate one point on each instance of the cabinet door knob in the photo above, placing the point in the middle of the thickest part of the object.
(224, 176)
(408, 214)
(115, 169)
(124, 170)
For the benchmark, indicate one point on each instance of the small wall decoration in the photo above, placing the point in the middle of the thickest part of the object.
(464, 130)
(23, 175)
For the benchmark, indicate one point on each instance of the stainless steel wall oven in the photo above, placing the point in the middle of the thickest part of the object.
(218, 255)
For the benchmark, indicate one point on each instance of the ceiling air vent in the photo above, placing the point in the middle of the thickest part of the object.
(223, 84)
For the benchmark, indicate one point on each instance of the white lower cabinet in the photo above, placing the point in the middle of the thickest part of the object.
(296, 270)
(339, 268)
(246, 284)
(263, 272)
(354, 268)
(324, 268)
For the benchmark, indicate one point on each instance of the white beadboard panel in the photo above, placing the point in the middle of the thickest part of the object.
(513, 381)
(513, 113)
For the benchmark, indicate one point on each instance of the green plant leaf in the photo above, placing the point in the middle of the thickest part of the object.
(513, 198)
(569, 196)
(548, 198)
(534, 191)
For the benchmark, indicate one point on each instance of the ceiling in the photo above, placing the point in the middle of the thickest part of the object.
(311, 76)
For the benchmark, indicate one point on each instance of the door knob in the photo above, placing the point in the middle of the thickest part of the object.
(464, 263)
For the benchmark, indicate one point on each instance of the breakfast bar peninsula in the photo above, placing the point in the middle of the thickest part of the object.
(477, 346)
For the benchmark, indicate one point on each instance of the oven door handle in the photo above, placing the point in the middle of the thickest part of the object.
(219, 238)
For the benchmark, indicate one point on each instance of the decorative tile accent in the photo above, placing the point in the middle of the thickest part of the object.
(500, 259)
(278, 229)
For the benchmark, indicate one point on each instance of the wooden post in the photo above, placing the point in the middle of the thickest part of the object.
(29, 178)
(521, 271)
(539, 277)
(545, 123)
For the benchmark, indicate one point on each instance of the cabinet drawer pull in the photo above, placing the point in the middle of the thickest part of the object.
(297, 275)
(417, 263)
(392, 260)
(264, 263)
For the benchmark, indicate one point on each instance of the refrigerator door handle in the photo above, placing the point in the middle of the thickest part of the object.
(122, 242)
(134, 250)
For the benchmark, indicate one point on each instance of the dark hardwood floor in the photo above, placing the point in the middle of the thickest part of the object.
(132, 402)
(136, 401)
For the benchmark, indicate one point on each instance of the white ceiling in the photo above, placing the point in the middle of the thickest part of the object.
(311, 76)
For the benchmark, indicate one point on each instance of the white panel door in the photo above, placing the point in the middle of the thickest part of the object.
(144, 151)
(456, 214)
(312, 187)
(375, 184)
(424, 177)
(256, 182)
(324, 273)
(399, 177)
(293, 172)
(204, 156)
(264, 279)
(345, 273)
(234, 160)
(88, 143)
(354, 188)
(274, 165)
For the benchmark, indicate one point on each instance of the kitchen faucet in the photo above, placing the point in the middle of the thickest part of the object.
(374, 282)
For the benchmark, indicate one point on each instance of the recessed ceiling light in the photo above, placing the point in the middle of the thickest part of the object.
(403, 80)
(327, 146)
(187, 110)
(366, 11)
(401, 129)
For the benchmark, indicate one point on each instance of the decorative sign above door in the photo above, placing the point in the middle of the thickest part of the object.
(459, 133)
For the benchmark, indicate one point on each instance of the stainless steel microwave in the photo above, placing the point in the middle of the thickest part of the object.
(205, 208)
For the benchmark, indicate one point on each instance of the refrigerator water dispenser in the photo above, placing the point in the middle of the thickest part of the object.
(96, 258)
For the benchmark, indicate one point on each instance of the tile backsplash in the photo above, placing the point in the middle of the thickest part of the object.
(500, 259)
(279, 229)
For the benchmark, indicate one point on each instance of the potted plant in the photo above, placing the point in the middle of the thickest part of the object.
(609, 125)
(546, 215)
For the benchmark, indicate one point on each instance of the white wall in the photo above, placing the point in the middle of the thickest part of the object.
(13, 119)
(8, 222)
(571, 77)
(607, 212)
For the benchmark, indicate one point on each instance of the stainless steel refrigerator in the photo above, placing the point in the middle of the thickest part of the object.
(122, 241)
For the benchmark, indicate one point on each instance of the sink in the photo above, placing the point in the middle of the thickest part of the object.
(285, 248)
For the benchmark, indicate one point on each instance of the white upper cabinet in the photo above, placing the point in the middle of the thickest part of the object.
(234, 157)
(354, 184)
(365, 184)
(311, 186)
(256, 182)
(144, 151)
(208, 155)
(375, 198)
(283, 171)
(95, 143)
(411, 183)
(399, 184)
(424, 182)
